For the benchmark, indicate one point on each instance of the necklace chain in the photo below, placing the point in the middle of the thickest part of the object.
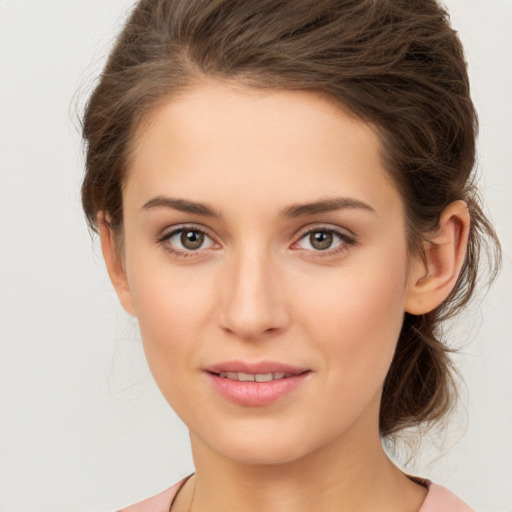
(189, 509)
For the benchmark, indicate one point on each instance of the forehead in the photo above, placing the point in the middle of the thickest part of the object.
(275, 146)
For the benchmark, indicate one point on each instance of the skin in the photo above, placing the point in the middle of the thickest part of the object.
(260, 289)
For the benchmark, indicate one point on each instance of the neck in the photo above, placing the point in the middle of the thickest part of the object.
(344, 475)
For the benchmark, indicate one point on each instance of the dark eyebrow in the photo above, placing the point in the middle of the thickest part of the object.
(322, 206)
(295, 210)
(183, 205)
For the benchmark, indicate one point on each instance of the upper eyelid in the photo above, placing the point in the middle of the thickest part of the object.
(344, 237)
(325, 227)
(172, 230)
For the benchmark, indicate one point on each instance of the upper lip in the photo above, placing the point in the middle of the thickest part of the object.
(255, 368)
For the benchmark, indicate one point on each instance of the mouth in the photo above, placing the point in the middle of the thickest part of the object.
(254, 377)
(257, 384)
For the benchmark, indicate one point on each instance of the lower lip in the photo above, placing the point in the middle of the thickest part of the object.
(256, 393)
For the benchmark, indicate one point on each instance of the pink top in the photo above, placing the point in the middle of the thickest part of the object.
(439, 499)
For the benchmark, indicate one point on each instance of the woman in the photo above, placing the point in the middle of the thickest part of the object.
(283, 192)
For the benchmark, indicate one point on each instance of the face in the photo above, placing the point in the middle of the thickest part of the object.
(264, 240)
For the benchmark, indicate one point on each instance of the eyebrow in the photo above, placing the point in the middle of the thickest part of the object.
(182, 205)
(292, 211)
(324, 205)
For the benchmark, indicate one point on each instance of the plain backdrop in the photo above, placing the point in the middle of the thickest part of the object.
(83, 427)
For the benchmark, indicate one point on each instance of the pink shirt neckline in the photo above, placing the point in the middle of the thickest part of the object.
(439, 499)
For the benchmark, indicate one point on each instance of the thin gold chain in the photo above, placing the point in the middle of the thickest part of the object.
(189, 509)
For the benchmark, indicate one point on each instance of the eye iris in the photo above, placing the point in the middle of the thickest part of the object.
(321, 240)
(192, 239)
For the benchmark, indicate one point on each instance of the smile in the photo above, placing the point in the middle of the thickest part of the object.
(256, 384)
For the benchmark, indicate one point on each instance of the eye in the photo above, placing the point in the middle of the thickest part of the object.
(184, 240)
(326, 240)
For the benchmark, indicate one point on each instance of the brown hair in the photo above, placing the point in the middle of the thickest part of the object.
(394, 63)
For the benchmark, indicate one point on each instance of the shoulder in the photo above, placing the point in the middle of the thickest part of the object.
(159, 503)
(440, 499)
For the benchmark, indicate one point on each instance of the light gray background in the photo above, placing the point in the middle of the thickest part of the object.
(83, 427)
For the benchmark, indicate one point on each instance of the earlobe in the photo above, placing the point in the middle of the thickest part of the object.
(115, 265)
(433, 277)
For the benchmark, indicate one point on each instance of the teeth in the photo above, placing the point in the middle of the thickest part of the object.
(251, 377)
(263, 377)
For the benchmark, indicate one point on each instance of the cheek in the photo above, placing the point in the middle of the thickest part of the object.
(356, 318)
(172, 307)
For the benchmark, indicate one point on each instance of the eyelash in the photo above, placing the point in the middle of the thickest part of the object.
(345, 239)
(169, 235)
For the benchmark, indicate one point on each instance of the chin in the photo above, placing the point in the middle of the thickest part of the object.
(263, 443)
(263, 453)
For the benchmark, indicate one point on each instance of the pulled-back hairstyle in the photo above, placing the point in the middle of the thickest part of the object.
(396, 64)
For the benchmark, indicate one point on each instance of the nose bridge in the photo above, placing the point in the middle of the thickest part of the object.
(252, 298)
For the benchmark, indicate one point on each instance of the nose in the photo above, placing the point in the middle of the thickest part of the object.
(252, 296)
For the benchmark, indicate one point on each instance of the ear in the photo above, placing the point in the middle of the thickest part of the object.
(433, 277)
(115, 264)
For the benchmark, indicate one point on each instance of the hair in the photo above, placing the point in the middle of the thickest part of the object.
(396, 64)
